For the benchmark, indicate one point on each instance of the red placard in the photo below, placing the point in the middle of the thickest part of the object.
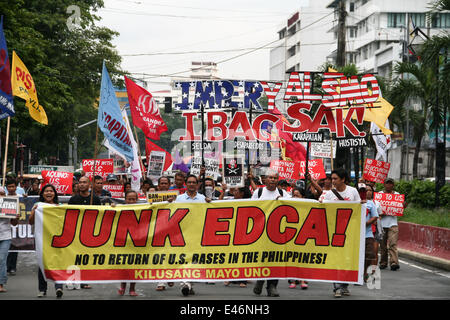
(315, 169)
(62, 181)
(391, 204)
(287, 170)
(103, 167)
(376, 170)
(117, 190)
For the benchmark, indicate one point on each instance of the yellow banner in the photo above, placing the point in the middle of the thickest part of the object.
(23, 86)
(222, 240)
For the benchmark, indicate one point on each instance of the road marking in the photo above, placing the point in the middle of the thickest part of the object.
(424, 269)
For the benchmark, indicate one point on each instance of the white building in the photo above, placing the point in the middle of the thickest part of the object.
(303, 41)
(377, 31)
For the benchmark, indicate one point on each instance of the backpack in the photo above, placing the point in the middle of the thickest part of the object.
(260, 191)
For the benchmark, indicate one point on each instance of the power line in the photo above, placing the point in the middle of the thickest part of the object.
(204, 9)
(215, 18)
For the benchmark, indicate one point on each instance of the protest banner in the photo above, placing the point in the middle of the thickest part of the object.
(233, 172)
(391, 204)
(287, 170)
(217, 241)
(117, 190)
(315, 169)
(62, 181)
(160, 196)
(9, 207)
(103, 167)
(376, 170)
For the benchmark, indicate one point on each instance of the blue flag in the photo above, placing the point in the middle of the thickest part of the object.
(110, 119)
(6, 98)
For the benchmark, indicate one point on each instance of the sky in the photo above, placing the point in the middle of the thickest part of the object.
(160, 37)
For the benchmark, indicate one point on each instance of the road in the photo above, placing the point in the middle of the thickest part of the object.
(413, 281)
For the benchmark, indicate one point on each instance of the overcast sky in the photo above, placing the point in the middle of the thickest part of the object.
(167, 28)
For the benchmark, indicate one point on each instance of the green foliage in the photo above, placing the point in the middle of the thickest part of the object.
(430, 217)
(66, 68)
(421, 193)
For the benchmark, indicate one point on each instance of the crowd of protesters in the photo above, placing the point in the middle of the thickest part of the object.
(381, 229)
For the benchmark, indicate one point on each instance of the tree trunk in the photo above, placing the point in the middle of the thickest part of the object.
(416, 155)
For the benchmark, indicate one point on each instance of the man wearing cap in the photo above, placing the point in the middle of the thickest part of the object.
(112, 179)
(390, 237)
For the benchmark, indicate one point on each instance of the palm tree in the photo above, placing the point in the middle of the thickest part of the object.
(416, 81)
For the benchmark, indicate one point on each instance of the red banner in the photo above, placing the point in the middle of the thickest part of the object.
(391, 204)
(315, 169)
(117, 190)
(103, 167)
(62, 181)
(375, 170)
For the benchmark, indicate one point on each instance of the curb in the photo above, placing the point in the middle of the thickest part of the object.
(425, 259)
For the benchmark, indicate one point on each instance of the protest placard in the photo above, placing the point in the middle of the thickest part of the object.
(233, 172)
(62, 181)
(287, 170)
(322, 150)
(117, 190)
(315, 169)
(103, 167)
(391, 203)
(156, 164)
(160, 196)
(376, 170)
(9, 207)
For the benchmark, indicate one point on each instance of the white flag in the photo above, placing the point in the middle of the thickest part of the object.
(382, 142)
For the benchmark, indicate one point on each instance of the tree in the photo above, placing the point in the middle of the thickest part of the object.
(66, 67)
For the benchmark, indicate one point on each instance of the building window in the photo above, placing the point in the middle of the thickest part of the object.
(418, 19)
(396, 20)
(440, 20)
(352, 6)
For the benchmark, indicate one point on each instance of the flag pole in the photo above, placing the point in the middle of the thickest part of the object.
(139, 151)
(95, 161)
(6, 151)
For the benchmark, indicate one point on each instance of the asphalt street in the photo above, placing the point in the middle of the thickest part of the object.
(413, 281)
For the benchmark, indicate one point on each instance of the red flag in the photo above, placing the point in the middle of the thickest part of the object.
(150, 146)
(144, 111)
(294, 150)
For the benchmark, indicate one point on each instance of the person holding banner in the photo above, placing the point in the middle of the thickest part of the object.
(131, 197)
(269, 192)
(5, 242)
(191, 195)
(390, 237)
(48, 195)
(84, 197)
(341, 192)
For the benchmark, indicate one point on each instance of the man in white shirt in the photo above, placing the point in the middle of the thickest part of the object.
(269, 192)
(341, 192)
(191, 195)
(388, 245)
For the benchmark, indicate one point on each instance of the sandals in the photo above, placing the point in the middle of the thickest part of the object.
(121, 291)
(160, 288)
(133, 293)
(85, 286)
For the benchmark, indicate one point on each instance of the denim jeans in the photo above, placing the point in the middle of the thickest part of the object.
(42, 284)
(4, 247)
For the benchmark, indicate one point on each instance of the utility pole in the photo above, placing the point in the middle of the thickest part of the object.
(342, 14)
